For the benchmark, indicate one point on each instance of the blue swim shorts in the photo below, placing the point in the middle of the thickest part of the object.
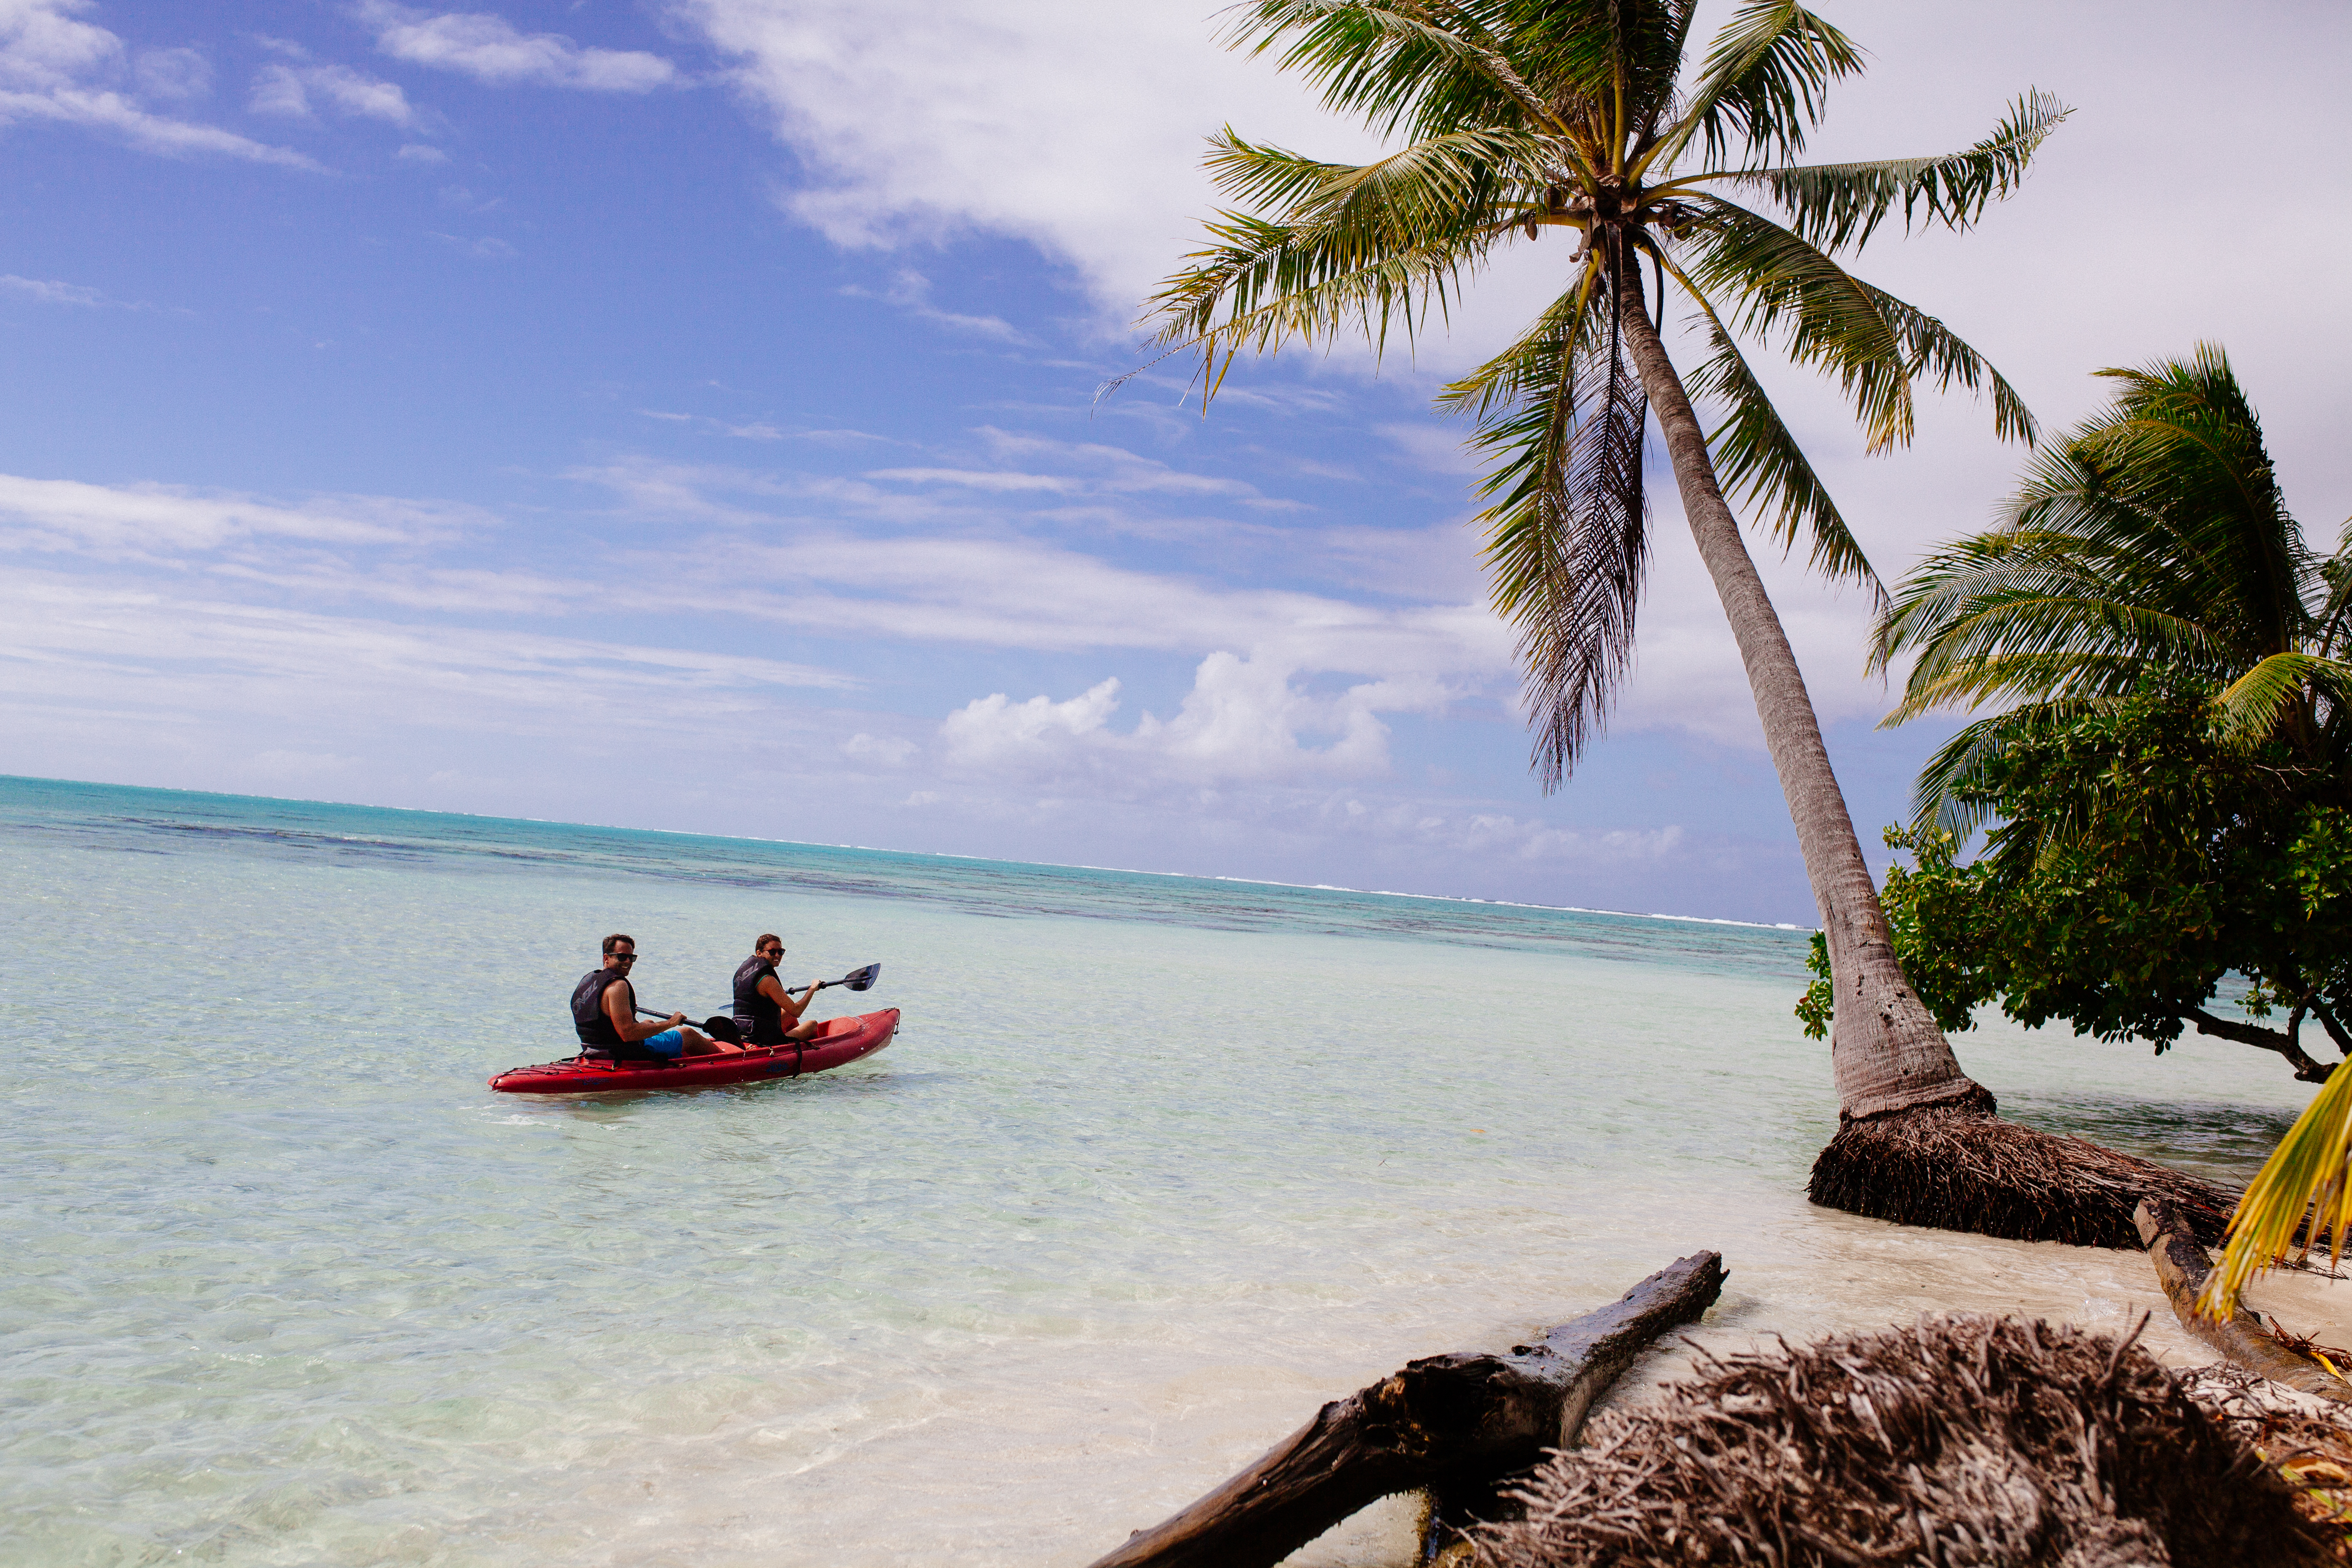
(669, 1043)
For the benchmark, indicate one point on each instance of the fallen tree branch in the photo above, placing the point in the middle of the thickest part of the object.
(1444, 1422)
(2181, 1267)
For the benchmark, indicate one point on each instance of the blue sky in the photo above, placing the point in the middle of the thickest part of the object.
(683, 415)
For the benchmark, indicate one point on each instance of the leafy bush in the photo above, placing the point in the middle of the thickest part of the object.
(2142, 867)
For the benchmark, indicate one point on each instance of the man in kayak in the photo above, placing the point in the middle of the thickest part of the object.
(764, 1010)
(604, 1012)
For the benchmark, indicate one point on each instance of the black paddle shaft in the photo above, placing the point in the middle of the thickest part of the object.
(855, 980)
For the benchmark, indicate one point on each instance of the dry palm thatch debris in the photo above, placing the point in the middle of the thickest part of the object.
(1957, 1168)
(2302, 1435)
(1966, 1442)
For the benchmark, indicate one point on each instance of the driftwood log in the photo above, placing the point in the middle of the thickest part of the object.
(2181, 1267)
(1449, 1423)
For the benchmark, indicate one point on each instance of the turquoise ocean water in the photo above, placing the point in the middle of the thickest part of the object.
(1157, 1165)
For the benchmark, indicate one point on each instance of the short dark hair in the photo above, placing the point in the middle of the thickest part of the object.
(616, 940)
(765, 938)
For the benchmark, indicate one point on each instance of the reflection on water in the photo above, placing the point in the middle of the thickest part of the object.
(287, 1285)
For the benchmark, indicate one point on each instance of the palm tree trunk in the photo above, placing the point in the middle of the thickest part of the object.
(1886, 1051)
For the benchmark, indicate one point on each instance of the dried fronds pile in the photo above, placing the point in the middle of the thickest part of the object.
(1970, 1442)
(1960, 1168)
(2299, 1435)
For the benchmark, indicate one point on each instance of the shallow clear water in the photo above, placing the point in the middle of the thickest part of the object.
(1155, 1166)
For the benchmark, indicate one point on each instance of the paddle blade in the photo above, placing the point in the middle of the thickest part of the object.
(861, 979)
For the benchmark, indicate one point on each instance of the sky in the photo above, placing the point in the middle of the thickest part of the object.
(684, 415)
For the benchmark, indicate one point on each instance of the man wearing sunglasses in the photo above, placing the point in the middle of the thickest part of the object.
(764, 1010)
(604, 1012)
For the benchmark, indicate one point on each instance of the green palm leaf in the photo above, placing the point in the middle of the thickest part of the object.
(2304, 1178)
(1762, 89)
(1758, 459)
(1838, 206)
(2153, 538)
(2254, 707)
(1561, 414)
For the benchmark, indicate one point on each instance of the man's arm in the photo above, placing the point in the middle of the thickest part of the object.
(773, 990)
(620, 1009)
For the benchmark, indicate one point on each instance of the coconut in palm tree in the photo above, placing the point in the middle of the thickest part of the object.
(1585, 121)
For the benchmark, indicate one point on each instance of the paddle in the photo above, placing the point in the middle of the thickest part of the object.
(856, 980)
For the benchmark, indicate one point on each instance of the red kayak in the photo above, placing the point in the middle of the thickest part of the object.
(841, 1041)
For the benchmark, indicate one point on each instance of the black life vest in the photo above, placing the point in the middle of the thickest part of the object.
(761, 1021)
(595, 1030)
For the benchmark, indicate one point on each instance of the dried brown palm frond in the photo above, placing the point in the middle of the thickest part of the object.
(1975, 1442)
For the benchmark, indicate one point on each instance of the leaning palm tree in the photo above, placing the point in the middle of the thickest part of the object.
(2153, 539)
(1580, 118)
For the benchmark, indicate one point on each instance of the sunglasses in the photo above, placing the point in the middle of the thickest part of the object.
(625, 957)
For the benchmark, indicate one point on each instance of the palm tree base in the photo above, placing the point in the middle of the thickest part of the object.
(1957, 1166)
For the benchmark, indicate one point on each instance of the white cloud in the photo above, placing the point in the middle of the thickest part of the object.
(278, 90)
(288, 89)
(1438, 447)
(174, 73)
(49, 291)
(126, 521)
(911, 292)
(886, 753)
(419, 152)
(489, 49)
(1073, 123)
(52, 67)
(1247, 720)
(991, 731)
(151, 650)
(1087, 467)
(485, 247)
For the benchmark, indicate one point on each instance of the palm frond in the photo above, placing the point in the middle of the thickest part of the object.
(1757, 458)
(1363, 246)
(1822, 315)
(1429, 184)
(1835, 205)
(2184, 442)
(1935, 351)
(2251, 708)
(2152, 538)
(1402, 66)
(1762, 88)
(1875, 344)
(1562, 413)
(2304, 1177)
(2335, 613)
(1949, 792)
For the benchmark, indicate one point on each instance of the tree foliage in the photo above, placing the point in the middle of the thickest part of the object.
(2170, 769)
(2147, 877)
